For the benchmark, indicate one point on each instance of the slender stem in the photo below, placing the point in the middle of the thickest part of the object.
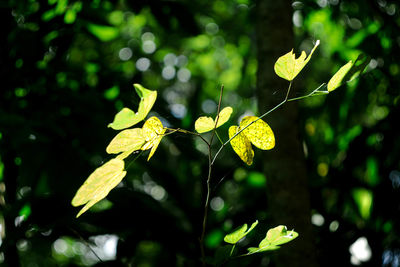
(186, 132)
(206, 206)
(210, 164)
(86, 243)
(217, 118)
(233, 248)
(219, 138)
(130, 163)
(315, 92)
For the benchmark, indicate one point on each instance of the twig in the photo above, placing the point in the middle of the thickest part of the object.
(210, 163)
(86, 243)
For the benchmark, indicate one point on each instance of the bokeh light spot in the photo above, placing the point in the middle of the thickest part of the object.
(143, 64)
(125, 53)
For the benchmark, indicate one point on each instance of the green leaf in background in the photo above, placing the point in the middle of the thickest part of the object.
(287, 66)
(70, 16)
(127, 118)
(274, 238)
(363, 198)
(337, 79)
(127, 140)
(239, 233)
(99, 184)
(102, 32)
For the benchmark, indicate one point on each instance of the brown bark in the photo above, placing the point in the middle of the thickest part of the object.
(284, 166)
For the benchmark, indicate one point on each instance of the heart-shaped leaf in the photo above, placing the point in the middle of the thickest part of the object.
(127, 118)
(287, 66)
(99, 184)
(259, 133)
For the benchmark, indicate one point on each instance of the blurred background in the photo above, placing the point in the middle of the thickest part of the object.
(67, 67)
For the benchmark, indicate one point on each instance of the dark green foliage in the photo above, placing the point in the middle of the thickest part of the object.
(63, 80)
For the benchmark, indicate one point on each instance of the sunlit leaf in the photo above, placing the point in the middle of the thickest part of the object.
(99, 184)
(224, 116)
(287, 66)
(205, 124)
(238, 234)
(241, 145)
(274, 238)
(131, 139)
(123, 119)
(153, 131)
(127, 118)
(104, 33)
(259, 133)
(278, 236)
(337, 79)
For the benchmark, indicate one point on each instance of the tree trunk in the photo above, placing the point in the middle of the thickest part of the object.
(284, 166)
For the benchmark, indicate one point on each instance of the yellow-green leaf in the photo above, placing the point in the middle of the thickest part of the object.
(241, 145)
(239, 233)
(156, 142)
(153, 131)
(99, 184)
(259, 133)
(273, 239)
(131, 139)
(278, 236)
(127, 118)
(224, 116)
(337, 79)
(287, 66)
(205, 124)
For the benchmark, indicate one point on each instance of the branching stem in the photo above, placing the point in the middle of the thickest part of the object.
(210, 163)
(212, 159)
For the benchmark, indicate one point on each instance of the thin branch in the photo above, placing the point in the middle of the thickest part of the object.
(315, 92)
(217, 118)
(86, 243)
(186, 132)
(210, 164)
(130, 163)
(219, 138)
